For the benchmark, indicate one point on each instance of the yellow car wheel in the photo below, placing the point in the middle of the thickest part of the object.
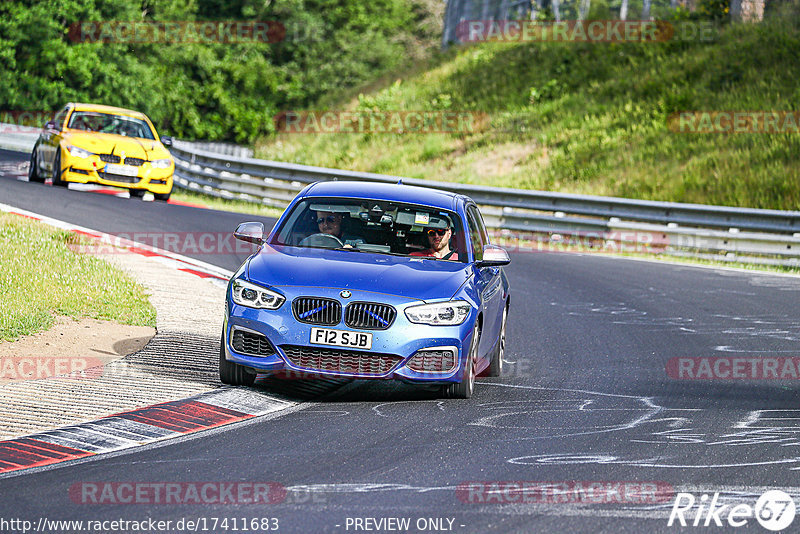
(57, 181)
(34, 174)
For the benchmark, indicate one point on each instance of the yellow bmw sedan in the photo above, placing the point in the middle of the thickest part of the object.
(90, 143)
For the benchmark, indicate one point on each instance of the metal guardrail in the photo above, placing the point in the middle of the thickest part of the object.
(767, 237)
(734, 234)
(716, 232)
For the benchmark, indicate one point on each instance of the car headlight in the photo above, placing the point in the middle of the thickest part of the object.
(253, 296)
(439, 314)
(161, 163)
(78, 152)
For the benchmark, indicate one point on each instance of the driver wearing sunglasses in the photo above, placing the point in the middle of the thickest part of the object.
(330, 223)
(439, 241)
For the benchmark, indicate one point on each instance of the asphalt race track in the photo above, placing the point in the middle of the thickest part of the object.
(585, 398)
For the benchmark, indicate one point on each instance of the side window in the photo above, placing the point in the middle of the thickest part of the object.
(482, 226)
(59, 119)
(477, 234)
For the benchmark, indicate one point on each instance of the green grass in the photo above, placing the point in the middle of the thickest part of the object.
(590, 118)
(42, 278)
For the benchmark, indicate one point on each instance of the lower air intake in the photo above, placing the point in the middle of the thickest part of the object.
(434, 361)
(344, 362)
(250, 343)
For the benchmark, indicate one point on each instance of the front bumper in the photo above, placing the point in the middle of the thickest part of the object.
(91, 170)
(402, 340)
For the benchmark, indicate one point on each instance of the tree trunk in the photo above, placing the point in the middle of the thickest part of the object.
(646, 10)
(584, 9)
(623, 10)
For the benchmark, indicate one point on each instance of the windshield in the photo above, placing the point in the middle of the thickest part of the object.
(92, 121)
(374, 226)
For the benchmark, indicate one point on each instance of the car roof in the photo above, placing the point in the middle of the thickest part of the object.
(78, 106)
(386, 191)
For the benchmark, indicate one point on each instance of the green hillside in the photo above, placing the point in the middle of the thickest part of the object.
(590, 118)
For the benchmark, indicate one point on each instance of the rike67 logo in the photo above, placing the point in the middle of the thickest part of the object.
(774, 510)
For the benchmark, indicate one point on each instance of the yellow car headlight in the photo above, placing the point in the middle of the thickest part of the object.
(161, 163)
(78, 152)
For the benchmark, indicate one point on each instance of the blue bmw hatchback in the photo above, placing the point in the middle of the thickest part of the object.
(369, 281)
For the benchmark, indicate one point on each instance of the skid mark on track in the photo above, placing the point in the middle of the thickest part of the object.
(549, 460)
(744, 333)
(380, 413)
(734, 441)
(630, 411)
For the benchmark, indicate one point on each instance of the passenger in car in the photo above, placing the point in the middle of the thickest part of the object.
(439, 241)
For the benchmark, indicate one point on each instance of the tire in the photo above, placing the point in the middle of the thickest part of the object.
(465, 388)
(496, 365)
(57, 181)
(162, 197)
(33, 170)
(232, 373)
(136, 193)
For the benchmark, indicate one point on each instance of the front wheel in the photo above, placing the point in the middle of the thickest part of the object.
(496, 366)
(136, 193)
(465, 388)
(33, 170)
(162, 197)
(57, 181)
(230, 372)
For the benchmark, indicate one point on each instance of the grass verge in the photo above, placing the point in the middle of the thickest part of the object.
(41, 277)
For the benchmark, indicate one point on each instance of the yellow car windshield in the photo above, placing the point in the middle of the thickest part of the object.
(93, 121)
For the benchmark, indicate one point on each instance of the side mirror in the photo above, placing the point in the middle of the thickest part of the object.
(252, 232)
(166, 140)
(50, 125)
(493, 256)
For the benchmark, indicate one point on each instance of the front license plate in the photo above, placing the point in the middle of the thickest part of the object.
(341, 338)
(124, 170)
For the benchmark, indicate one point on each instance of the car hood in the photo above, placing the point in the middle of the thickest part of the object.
(412, 278)
(104, 143)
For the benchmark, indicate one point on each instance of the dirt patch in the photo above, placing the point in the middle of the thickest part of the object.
(68, 346)
(501, 161)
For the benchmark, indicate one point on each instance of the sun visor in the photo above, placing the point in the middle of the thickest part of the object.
(335, 208)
